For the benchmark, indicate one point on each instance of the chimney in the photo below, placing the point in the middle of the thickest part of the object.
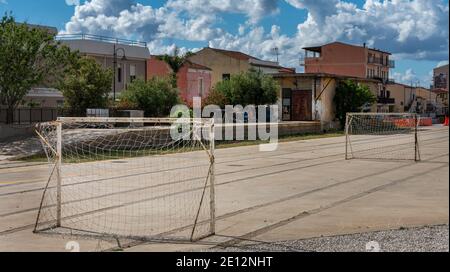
(364, 45)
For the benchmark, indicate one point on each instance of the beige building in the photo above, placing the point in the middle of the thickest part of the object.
(309, 97)
(225, 63)
(396, 97)
(440, 87)
(440, 78)
(131, 56)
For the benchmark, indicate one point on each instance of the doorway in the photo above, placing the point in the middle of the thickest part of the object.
(302, 105)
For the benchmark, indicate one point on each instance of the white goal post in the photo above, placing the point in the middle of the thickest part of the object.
(137, 178)
(387, 136)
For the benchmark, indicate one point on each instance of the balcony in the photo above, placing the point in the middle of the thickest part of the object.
(381, 61)
(386, 100)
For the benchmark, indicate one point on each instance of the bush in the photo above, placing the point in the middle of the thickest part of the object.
(351, 97)
(86, 86)
(156, 97)
(249, 88)
(216, 97)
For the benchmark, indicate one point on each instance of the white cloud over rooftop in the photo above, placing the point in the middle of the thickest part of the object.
(416, 29)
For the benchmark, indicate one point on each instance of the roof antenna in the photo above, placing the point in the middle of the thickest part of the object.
(276, 50)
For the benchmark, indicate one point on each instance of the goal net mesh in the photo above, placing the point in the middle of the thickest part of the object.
(391, 136)
(128, 178)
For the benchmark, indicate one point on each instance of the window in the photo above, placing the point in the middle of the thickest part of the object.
(388, 94)
(119, 73)
(132, 72)
(200, 87)
(226, 77)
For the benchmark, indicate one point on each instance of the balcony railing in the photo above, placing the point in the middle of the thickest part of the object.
(91, 37)
(381, 61)
(386, 100)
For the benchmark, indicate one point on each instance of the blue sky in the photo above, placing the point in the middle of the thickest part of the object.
(415, 31)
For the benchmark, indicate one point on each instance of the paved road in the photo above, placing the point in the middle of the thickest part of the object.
(302, 190)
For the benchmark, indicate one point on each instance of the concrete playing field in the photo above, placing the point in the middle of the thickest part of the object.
(304, 189)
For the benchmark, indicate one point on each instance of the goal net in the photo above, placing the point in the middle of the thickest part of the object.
(138, 178)
(391, 136)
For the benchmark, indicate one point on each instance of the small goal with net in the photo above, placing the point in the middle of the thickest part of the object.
(129, 177)
(388, 136)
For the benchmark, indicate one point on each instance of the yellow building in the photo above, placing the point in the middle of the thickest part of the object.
(398, 97)
(225, 63)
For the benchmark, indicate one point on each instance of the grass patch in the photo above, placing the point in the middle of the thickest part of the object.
(103, 155)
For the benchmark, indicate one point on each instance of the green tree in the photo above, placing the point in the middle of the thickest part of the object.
(156, 97)
(29, 57)
(175, 63)
(351, 97)
(249, 88)
(87, 85)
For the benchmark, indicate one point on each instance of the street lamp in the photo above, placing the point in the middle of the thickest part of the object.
(116, 50)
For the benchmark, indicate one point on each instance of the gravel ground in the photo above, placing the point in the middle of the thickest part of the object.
(424, 239)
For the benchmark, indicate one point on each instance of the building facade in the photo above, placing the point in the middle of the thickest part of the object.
(193, 80)
(397, 97)
(225, 63)
(440, 78)
(310, 97)
(348, 60)
(130, 57)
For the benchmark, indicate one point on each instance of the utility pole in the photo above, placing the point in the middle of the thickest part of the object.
(115, 68)
(276, 50)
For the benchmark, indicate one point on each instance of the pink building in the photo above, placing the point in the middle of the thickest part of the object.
(348, 60)
(193, 80)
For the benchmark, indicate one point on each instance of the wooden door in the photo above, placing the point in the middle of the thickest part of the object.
(301, 105)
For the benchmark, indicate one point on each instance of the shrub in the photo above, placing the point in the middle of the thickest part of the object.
(87, 85)
(249, 88)
(351, 97)
(156, 97)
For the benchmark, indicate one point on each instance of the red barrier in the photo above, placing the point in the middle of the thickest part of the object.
(426, 122)
(405, 123)
(446, 121)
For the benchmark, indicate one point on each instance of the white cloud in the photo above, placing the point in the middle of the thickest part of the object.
(72, 2)
(157, 47)
(411, 29)
(415, 29)
(253, 9)
(408, 77)
(260, 44)
(442, 63)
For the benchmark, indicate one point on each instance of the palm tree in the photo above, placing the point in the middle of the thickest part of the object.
(175, 62)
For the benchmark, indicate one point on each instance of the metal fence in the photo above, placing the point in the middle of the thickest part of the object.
(31, 115)
(25, 116)
(81, 36)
